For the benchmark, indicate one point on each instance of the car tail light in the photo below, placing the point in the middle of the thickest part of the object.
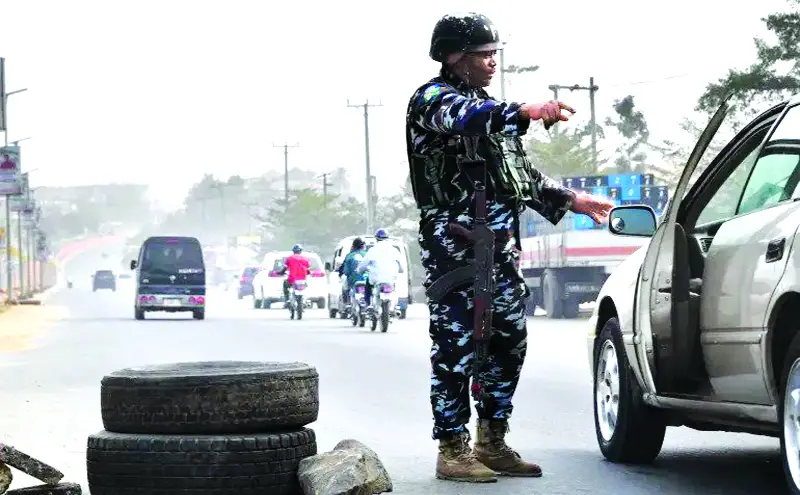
(317, 273)
(200, 300)
(142, 298)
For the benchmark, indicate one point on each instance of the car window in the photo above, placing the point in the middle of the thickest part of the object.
(776, 173)
(722, 205)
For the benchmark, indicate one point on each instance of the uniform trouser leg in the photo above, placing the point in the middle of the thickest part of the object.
(451, 326)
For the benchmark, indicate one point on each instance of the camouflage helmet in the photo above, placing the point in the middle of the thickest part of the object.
(464, 32)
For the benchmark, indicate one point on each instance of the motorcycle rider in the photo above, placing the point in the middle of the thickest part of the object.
(382, 262)
(298, 266)
(349, 267)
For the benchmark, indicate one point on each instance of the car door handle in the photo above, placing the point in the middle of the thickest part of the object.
(775, 250)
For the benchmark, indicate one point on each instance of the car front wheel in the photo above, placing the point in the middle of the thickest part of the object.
(789, 415)
(627, 429)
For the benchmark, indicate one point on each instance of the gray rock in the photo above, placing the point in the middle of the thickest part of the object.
(351, 468)
(5, 478)
(28, 465)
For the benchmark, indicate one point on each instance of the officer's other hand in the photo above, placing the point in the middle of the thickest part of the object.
(549, 113)
(596, 207)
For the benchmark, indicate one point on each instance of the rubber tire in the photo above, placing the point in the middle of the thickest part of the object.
(385, 316)
(551, 294)
(210, 398)
(250, 464)
(570, 308)
(59, 489)
(199, 314)
(321, 303)
(403, 313)
(332, 313)
(138, 313)
(792, 354)
(639, 434)
(257, 303)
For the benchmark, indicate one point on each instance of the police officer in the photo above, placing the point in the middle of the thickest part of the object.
(456, 135)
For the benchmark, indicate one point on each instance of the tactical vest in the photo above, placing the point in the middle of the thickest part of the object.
(444, 177)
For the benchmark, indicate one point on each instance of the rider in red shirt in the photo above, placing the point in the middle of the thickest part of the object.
(298, 267)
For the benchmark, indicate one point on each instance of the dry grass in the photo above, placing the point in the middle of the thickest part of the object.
(22, 325)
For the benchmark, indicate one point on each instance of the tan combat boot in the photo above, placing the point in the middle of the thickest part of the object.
(491, 449)
(457, 462)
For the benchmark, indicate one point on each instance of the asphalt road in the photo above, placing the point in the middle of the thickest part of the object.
(373, 387)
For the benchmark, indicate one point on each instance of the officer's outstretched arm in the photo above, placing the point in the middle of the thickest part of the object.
(550, 199)
(440, 108)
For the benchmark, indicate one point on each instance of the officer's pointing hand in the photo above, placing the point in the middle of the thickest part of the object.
(549, 113)
(596, 207)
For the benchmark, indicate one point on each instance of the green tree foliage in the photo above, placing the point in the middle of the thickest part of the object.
(562, 153)
(631, 156)
(775, 73)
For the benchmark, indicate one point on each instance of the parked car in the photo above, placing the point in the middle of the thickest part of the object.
(268, 282)
(104, 279)
(246, 280)
(699, 327)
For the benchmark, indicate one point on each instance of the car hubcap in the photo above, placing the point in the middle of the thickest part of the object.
(791, 422)
(607, 390)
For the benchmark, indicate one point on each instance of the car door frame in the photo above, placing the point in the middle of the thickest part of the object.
(654, 306)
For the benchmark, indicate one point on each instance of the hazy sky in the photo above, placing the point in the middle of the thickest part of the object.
(161, 92)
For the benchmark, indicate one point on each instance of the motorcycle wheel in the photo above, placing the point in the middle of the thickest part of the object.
(300, 310)
(385, 316)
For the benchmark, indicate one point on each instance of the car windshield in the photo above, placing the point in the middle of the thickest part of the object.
(104, 273)
(172, 257)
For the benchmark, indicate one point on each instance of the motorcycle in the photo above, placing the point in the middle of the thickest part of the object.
(358, 304)
(383, 306)
(297, 300)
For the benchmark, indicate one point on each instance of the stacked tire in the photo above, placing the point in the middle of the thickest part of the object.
(220, 427)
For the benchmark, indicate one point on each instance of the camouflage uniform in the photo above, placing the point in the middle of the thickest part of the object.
(442, 114)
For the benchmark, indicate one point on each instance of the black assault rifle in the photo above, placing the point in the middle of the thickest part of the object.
(480, 272)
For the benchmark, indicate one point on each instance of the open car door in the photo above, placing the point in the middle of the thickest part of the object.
(662, 296)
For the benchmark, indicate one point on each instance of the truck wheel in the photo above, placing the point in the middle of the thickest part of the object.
(571, 307)
(213, 397)
(789, 415)
(532, 302)
(225, 464)
(552, 291)
(627, 429)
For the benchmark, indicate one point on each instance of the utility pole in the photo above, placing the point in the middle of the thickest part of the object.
(286, 147)
(325, 186)
(511, 69)
(370, 206)
(4, 127)
(592, 89)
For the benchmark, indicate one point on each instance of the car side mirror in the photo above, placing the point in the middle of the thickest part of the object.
(133, 264)
(328, 266)
(632, 221)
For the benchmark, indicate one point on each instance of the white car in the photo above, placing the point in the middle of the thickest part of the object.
(268, 283)
(700, 327)
(402, 284)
